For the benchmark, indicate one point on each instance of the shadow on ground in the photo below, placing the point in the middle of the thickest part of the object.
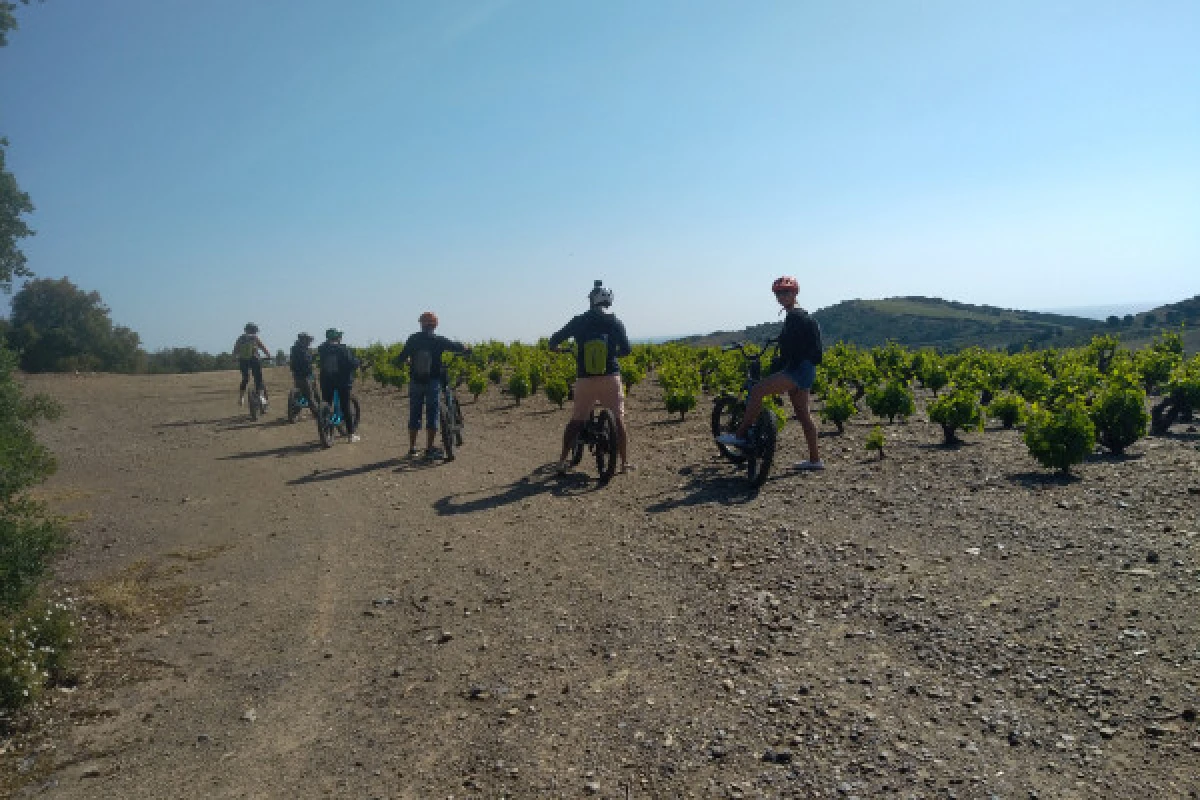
(318, 476)
(720, 482)
(543, 480)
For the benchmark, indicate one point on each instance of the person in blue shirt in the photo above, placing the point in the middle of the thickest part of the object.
(423, 353)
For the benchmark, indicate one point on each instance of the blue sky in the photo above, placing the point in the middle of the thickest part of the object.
(307, 164)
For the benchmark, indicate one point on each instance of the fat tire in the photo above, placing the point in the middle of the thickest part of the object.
(763, 435)
(606, 445)
(726, 415)
(447, 426)
(325, 424)
(293, 405)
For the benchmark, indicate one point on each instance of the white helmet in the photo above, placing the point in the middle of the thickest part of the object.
(599, 296)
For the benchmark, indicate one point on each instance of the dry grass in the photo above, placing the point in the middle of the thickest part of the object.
(139, 593)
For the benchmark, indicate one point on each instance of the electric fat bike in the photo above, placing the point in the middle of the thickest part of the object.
(730, 407)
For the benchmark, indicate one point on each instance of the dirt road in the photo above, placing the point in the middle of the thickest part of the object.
(351, 623)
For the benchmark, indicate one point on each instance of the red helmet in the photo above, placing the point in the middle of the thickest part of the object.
(428, 320)
(785, 284)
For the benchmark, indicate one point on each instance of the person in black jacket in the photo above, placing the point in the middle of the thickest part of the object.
(600, 340)
(338, 366)
(423, 353)
(800, 351)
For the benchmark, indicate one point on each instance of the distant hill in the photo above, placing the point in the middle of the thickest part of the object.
(949, 326)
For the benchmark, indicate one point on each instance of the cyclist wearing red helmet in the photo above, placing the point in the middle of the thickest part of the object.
(423, 352)
(800, 351)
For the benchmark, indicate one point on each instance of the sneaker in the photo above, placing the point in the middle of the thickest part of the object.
(732, 440)
(413, 452)
(354, 437)
(434, 452)
(562, 467)
(242, 399)
(810, 465)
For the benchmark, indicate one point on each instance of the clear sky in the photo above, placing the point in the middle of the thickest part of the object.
(304, 164)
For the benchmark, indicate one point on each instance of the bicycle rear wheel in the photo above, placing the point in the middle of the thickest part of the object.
(762, 435)
(726, 416)
(446, 422)
(294, 408)
(325, 424)
(354, 412)
(606, 445)
(456, 411)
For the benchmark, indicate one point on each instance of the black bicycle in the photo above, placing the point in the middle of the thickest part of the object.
(599, 434)
(730, 407)
(331, 418)
(450, 419)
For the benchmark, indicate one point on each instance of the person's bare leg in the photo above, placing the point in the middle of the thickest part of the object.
(775, 384)
(800, 404)
(622, 443)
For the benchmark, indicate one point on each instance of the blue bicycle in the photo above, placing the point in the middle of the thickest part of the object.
(300, 399)
(331, 418)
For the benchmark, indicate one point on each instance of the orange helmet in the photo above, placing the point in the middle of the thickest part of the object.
(428, 320)
(785, 284)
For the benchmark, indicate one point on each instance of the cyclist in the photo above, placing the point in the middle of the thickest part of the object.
(246, 350)
(301, 362)
(337, 375)
(799, 352)
(600, 340)
(423, 352)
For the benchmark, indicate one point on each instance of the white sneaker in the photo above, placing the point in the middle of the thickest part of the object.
(242, 399)
(354, 437)
(810, 465)
(732, 440)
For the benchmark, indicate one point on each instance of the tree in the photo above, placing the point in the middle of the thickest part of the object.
(56, 326)
(13, 202)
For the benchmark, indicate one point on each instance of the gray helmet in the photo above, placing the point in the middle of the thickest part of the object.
(599, 296)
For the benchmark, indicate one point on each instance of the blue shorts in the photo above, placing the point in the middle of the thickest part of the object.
(803, 374)
(423, 395)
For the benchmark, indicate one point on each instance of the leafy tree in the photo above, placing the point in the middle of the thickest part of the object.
(891, 400)
(838, 407)
(1009, 408)
(58, 327)
(1120, 417)
(477, 384)
(518, 385)
(556, 390)
(632, 372)
(959, 408)
(875, 441)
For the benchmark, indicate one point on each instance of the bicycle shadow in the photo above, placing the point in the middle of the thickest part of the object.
(189, 423)
(278, 452)
(542, 480)
(717, 483)
(319, 476)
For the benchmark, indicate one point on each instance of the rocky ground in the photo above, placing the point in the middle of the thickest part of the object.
(271, 619)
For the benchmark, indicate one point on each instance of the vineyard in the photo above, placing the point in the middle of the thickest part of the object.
(1067, 401)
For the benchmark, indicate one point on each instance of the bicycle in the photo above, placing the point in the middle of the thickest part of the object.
(450, 419)
(256, 402)
(330, 418)
(298, 400)
(599, 434)
(727, 413)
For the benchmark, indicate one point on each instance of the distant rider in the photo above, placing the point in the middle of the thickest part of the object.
(338, 366)
(600, 340)
(246, 350)
(423, 353)
(301, 362)
(800, 351)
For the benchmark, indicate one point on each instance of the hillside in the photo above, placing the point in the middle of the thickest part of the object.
(948, 325)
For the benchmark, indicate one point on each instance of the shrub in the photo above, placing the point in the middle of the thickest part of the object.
(838, 407)
(1120, 417)
(496, 374)
(680, 401)
(1008, 408)
(556, 390)
(894, 399)
(477, 384)
(958, 409)
(875, 441)
(518, 385)
(632, 373)
(35, 649)
(1061, 438)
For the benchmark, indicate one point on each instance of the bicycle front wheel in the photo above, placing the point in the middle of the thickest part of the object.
(446, 421)
(606, 445)
(762, 435)
(325, 424)
(726, 416)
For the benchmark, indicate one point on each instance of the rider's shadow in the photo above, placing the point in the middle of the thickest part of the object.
(542, 481)
(705, 485)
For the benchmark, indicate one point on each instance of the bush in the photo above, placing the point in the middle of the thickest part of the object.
(556, 390)
(632, 373)
(892, 400)
(1059, 439)
(680, 401)
(1008, 408)
(958, 409)
(838, 407)
(35, 650)
(477, 384)
(875, 441)
(1120, 417)
(518, 385)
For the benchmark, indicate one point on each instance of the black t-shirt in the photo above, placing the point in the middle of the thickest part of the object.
(800, 339)
(337, 363)
(600, 338)
(424, 350)
(301, 361)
